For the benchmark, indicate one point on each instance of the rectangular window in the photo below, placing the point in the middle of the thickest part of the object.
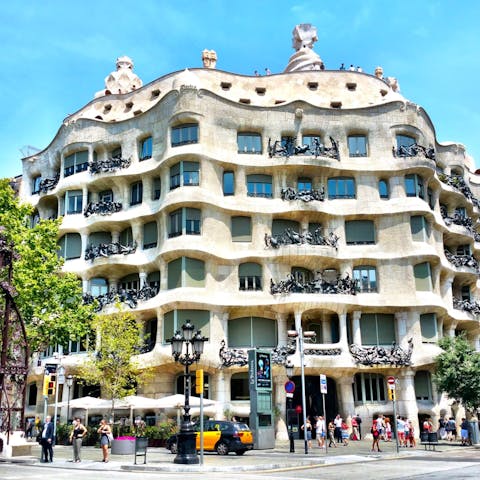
(259, 186)
(377, 329)
(74, 201)
(359, 232)
(156, 190)
(175, 224)
(249, 143)
(414, 186)
(341, 187)
(428, 327)
(146, 148)
(423, 277)
(313, 142)
(175, 274)
(405, 141)
(419, 228)
(366, 278)
(194, 272)
(228, 183)
(105, 196)
(423, 385)
(304, 184)
(192, 221)
(184, 134)
(357, 145)
(173, 321)
(36, 184)
(75, 163)
(126, 237)
(136, 193)
(175, 176)
(150, 235)
(241, 229)
(70, 246)
(191, 173)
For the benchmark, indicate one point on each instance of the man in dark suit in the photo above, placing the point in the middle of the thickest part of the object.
(47, 440)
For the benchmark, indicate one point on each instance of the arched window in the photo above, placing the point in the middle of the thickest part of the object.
(184, 134)
(383, 189)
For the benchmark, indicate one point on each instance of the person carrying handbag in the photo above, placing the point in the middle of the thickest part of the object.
(105, 435)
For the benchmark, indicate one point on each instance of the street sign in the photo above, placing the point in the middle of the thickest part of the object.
(391, 383)
(323, 383)
(289, 387)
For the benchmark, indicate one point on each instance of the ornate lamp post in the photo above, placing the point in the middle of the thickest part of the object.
(69, 385)
(187, 450)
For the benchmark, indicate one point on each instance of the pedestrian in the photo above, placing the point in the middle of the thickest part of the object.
(464, 427)
(307, 432)
(76, 438)
(359, 423)
(267, 71)
(352, 68)
(355, 435)
(331, 434)
(406, 424)
(411, 435)
(256, 73)
(442, 430)
(105, 433)
(320, 430)
(401, 431)
(380, 425)
(342, 66)
(345, 434)
(388, 430)
(376, 437)
(359, 69)
(338, 428)
(451, 429)
(47, 440)
(29, 429)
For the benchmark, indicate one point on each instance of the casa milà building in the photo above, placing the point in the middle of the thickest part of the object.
(314, 200)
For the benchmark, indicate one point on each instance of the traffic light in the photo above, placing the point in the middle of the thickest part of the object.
(391, 395)
(51, 384)
(46, 382)
(199, 381)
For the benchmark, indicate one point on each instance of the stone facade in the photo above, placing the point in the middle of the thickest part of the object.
(195, 163)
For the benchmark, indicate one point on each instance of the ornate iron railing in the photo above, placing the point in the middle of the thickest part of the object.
(463, 261)
(459, 184)
(102, 208)
(287, 148)
(414, 150)
(110, 165)
(377, 355)
(289, 193)
(106, 249)
(129, 297)
(291, 237)
(458, 219)
(48, 183)
(345, 285)
(469, 306)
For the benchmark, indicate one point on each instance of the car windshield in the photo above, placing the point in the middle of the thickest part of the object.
(242, 427)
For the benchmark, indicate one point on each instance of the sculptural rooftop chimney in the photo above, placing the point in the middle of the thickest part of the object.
(304, 36)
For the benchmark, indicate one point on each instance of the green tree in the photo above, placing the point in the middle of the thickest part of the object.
(49, 300)
(112, 364)
(457, 371)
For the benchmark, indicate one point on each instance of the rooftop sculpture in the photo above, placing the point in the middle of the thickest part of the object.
(123, 80)
(304, 36)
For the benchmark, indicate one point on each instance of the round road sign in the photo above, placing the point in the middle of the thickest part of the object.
(391, 380)
(289, 386)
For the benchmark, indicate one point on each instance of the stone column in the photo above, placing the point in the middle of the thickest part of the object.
(115, 236)
(326, 331)
(342, 327)
(84, 197)
(222, 391)
(401, 328)
(406, 399)
(356, 332)
(84, 237)
(345, 397)
(85, 286)
(280, 401)
(282, 329)
(143, 279)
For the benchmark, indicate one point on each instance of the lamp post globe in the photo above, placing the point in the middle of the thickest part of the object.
(194, 343)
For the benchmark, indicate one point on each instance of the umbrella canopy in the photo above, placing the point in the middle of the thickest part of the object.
(138, 402)
(86, 403)
(178, 400)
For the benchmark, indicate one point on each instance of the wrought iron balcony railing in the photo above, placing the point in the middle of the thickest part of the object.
(102, 208)
(48, 184)
(463, 261)
(459, 184)
(287, 148)
(379, 355)
(129, 297)
(291, 237)
(469, 306)
(289, 193)
(291, 284)
(110, 165)
(414, 150)
(106, 249)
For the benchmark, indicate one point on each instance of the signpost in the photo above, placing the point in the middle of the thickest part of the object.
(323, 391)
(289, 389)
(391, 384)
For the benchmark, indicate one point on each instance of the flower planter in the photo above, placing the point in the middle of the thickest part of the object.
(123, 446)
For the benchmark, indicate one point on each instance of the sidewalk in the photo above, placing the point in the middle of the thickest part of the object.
(160, 459)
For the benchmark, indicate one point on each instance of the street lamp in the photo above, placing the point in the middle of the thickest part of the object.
(302, 336)
(69, 385)
(186, 445)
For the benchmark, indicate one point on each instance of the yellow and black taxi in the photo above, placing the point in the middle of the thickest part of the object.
(220, 436)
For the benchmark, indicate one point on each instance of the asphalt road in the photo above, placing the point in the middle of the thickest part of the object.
(459, 465)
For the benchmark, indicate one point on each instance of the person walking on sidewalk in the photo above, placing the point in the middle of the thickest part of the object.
(76, 438)
(47, 440)
(307, 432)
(105, 434)
(331, 434)
(320, 430)
(376, 437)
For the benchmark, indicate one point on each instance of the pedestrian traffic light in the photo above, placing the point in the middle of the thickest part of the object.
(51, 384)
(46, 382)
(391, 395)
(199, 381)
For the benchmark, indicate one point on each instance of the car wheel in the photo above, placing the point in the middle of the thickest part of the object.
(222, 448)
(240, 452)
(173, 447)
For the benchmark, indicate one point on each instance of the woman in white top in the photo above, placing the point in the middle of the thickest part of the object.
(321, 431)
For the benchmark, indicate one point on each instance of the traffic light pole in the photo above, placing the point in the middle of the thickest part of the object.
(199, 390)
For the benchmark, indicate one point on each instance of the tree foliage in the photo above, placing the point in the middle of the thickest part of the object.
(457, 371)
(112, 364)
(49, 300)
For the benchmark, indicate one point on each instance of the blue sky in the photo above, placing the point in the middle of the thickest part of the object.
(57, 53)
